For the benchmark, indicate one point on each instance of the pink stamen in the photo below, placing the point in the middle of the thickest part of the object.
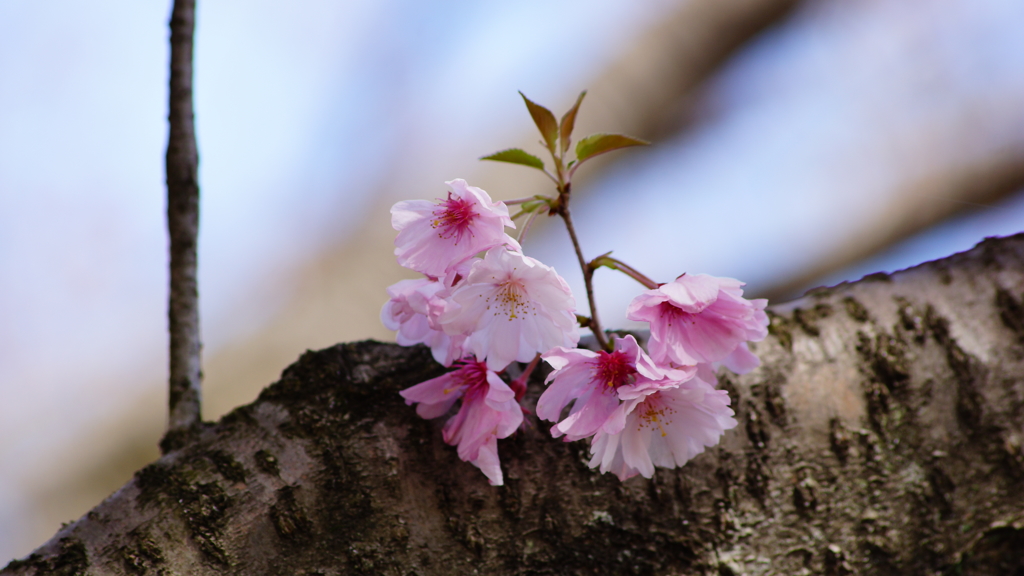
(614, 369)
(454, 217)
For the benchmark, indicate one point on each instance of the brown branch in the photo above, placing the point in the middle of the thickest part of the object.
(183, 228)
(588, 278)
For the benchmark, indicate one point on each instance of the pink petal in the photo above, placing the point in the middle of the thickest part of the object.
(429, 411)
(741, 360)
(435, 390)
(634, 449)
(488, 463)
(494, 306)
(432, 238)
(435, 396)
(565, 382)
(699, 318)
(499, 393)
(692, 293)
(590, 412)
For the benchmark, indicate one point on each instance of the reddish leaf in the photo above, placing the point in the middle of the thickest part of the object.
(544, 120)
(569, 121)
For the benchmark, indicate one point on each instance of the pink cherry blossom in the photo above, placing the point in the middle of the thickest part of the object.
(741, 360)
(700, 318)
(597, 382)
(512, 307)
(663, 427)
(413, 310)
(433, 237)
(489, 411)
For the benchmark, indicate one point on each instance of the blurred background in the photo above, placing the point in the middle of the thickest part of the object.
(795, 144)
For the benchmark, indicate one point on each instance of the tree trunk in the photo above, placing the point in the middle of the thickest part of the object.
(882, 434)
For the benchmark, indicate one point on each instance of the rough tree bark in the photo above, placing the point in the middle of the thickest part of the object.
(882, 435)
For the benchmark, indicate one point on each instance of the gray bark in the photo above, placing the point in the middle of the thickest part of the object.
(183, 229)
(882, 434)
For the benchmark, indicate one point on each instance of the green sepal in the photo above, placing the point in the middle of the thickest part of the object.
(516, 156)
(533, 205)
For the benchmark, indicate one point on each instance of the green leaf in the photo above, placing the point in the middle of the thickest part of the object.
(545, 122)
(600, 143)
(516, 156)
(568, 122)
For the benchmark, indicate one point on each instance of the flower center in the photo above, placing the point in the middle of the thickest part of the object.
(511, 301)
(614, 369)
(472, 377)
(674, 314)
(652, 412)
(452, 218)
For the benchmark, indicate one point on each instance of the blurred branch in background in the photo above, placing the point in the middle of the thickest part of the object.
(950, 191)
(650, 90)
(841, 131)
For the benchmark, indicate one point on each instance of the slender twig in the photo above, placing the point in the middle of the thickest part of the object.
(526, 226)
(607, 261)
(519, 384)
(183, 227)
(588, 278)
(561, 207)
(515, 201)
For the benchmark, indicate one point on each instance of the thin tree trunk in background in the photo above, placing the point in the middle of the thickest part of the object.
(882, 435)
(183, 228)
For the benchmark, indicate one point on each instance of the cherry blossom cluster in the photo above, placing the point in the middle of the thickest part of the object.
(480, 314)
(661, 409)
(481, 304)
